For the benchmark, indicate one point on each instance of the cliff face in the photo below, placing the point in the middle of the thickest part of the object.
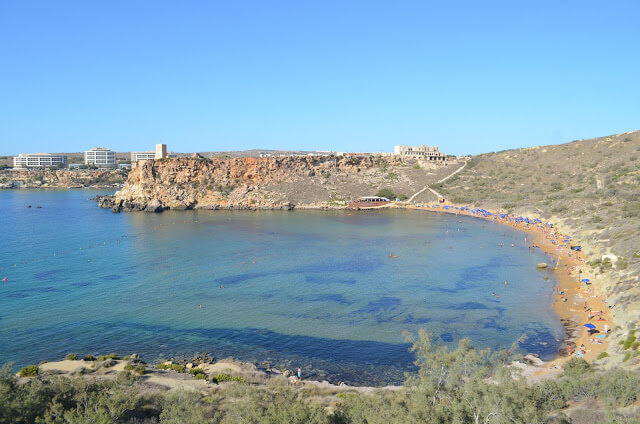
(61, 179)
(266, 183)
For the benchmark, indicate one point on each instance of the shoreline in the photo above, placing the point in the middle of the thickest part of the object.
(570, 312)
(576, 303)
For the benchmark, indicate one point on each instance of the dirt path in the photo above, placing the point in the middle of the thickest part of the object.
(437, 182)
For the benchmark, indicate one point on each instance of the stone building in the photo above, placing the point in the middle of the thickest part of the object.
(159, 153)
(420, 152)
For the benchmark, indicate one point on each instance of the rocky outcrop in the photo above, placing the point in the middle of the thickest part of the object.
(84, 178)
(265, 183)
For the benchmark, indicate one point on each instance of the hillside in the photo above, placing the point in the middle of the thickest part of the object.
(589, 188)
(275, 182)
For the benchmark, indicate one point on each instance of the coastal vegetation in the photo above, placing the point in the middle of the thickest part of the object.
(462, 385)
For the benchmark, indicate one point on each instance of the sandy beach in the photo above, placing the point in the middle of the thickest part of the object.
(577, 303)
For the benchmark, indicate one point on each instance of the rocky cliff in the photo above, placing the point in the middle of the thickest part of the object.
(63, 178)
(268, 183)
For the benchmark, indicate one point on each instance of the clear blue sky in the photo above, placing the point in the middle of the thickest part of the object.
(343, 75)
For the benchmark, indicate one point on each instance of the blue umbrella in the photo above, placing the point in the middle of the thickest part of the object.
(585, 280)
(591, 326)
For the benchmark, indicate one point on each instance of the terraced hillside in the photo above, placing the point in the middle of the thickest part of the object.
(590, 188)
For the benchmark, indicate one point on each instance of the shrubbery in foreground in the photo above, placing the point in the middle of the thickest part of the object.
(464, 385)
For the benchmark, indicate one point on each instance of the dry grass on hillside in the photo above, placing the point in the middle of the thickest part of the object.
(588, 187)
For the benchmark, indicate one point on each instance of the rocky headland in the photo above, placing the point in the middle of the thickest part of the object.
(269, 183)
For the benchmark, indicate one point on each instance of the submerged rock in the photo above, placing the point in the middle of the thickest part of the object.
(541, 265)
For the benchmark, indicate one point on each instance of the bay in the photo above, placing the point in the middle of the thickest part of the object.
(330, 292)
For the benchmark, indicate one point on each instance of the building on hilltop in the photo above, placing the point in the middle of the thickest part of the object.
(159, 153)
(136, 156)
(100, 157)
(39, 160)
(420, 152)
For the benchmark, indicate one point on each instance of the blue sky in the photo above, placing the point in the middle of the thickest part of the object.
(471, 77)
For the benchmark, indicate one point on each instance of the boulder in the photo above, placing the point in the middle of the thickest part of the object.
(541, 265)
(533, 359)
(154, 206)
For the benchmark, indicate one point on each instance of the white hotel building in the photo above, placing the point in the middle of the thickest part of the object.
(39, 160)
(420, 152)
(100, 157)
(159, 153)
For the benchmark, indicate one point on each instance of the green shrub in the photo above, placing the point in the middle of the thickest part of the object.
(29, 371)
(71, 357)
(631, 338)
(89, 358)
(225, 377)
(140, 370)
(109, 356)
(201, 376)
(385, 192)
(626, 357)
(603, 355)
(128, 367)
(576, 367)
(402, 197)
(197, 371)
(174, 367)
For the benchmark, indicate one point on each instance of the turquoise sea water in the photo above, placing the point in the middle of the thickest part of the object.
(309, 289)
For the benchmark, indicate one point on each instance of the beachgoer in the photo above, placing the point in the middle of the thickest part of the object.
(505, 283)
(606, 329)
(199, 306)
(299, 373)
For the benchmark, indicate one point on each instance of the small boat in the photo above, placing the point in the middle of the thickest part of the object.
(368, 202)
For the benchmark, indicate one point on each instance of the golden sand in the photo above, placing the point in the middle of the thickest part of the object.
(578, 304)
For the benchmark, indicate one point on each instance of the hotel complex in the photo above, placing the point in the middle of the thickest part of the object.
(39, 160)
(100, 157)
(420, 152)
(159, 153)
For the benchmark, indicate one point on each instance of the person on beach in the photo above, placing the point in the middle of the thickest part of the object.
(299, 373)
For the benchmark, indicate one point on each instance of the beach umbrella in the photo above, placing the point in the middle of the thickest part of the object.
(585, 280)
(591, 326)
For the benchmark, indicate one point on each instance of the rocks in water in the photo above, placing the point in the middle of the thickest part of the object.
(154, 206)
(542, 265)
